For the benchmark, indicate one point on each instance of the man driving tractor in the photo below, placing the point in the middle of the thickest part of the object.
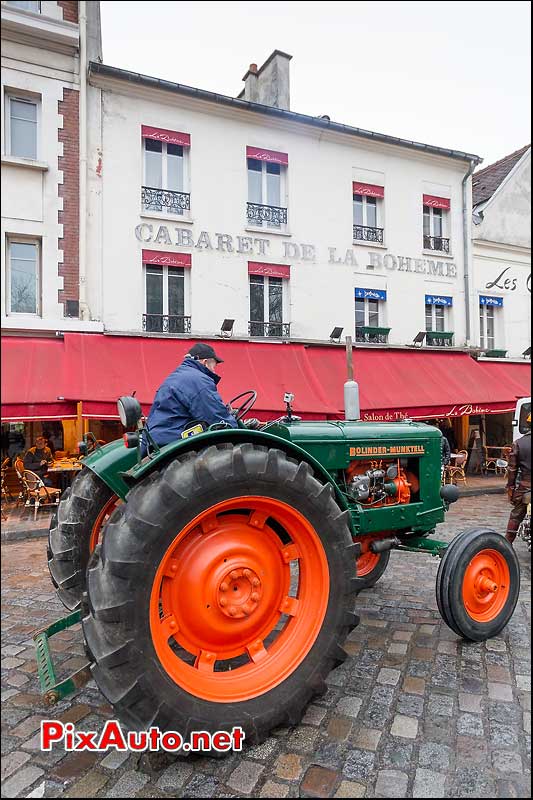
(189, 395)
(519, 482)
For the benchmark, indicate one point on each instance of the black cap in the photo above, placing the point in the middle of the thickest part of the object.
(201, 350)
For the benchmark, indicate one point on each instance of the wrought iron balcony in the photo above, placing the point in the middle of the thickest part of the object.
(366, 234)
(159, 199)
(371, 335)
(436, 243)
(439, 338)
(272, 215)
(166, 323)
(275, 330)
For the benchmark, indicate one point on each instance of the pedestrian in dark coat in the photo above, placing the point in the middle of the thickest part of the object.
(518, 482)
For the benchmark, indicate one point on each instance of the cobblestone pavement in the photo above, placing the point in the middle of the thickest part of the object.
(413, 712)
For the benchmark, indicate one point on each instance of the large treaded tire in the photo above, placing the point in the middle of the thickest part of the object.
(70, 533)
(451, 582)
(121, 575)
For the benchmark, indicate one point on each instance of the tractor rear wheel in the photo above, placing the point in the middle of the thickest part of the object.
(478, 584)
(370, 566)
(221, 594)
(74, 532)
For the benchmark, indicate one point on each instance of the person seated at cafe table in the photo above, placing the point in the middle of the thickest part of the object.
(38, 458)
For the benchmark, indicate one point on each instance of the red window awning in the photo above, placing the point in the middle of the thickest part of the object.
(271, 270)
(368, 189)
(164, 135)
(33, 379)
(164, 259)
(131, 363)
(273, 156)
(435, 202)
(395, 384)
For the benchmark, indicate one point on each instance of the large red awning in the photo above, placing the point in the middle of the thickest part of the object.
(104, 367)
(395, 384)
(44, 378)
(33, 379)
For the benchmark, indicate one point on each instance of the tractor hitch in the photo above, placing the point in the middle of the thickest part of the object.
(54, 690)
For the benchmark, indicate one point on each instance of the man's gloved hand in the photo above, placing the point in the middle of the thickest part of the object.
(252, 423)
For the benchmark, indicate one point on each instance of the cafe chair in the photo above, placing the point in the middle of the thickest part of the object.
(6, 494)
(489, 463)
(19, 469)
(457, 471)
(41, 495)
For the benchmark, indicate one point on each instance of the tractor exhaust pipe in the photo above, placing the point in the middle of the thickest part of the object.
(352, 408)
(381, 545)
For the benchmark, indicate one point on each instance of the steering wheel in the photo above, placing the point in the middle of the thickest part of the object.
(245, 406)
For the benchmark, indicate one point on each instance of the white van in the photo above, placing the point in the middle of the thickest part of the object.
(521, 413)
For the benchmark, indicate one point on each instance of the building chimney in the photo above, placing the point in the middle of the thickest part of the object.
(269, 85)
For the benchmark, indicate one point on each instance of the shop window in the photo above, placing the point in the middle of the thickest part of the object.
(489, 312)
(22, 114)
(435, 228)
(165, 300)
(23, 277)
(165, 184)
(25, 5)
(438, 311)
(266, 193)
(370, 316)
(367, 215)
(267, 307)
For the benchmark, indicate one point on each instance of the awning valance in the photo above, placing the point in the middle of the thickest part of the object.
(164, 135)
(163, 259)
(435, 202)
(270, 270)
(368, 189)
(272, 156)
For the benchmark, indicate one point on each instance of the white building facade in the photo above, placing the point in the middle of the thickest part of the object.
(210, 209)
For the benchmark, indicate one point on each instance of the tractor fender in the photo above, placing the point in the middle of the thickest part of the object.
(110, 462)
(233, 436)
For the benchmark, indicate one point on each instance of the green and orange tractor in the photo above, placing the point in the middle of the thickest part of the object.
(216, 577)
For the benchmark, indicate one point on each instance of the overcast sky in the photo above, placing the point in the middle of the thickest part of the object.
(454, 74)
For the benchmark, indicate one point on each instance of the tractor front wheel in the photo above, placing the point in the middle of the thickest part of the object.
(221, 594)
(370, 565)
(75, 531)
(478, 584)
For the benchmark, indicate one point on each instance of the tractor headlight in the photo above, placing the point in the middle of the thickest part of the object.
(129, 411)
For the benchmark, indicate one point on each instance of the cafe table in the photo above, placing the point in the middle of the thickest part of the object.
(65, 469)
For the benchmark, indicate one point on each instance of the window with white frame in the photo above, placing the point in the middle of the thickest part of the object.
(370, 316)
(165, 302)
(489, 311)
(266, 193)
(438, 320)
(23, 277)
(165, 183)
(435, 225)
(368, 212)
(267, 306)
(22, 114)
(25, 5)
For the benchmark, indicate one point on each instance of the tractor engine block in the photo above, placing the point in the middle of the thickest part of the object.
(378, 483)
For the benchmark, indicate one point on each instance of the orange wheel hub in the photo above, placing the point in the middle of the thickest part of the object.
(486, 585)
(368, 561)
(101, 519)
(234, 608)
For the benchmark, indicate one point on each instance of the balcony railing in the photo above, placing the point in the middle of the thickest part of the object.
(275, 330)
(372, 335)
(272, 215)
(158, 199)
(366, 234)
(166, 323)
(439, 338)
(436, 243)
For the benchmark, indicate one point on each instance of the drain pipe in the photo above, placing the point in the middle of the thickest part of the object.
(84, 309)
(466, 252)
(352, 408)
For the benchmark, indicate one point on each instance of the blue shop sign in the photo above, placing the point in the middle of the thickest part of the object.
(486, 300)
(438, 300)
(373, 294)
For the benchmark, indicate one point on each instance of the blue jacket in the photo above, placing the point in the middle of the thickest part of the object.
(189, 393)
